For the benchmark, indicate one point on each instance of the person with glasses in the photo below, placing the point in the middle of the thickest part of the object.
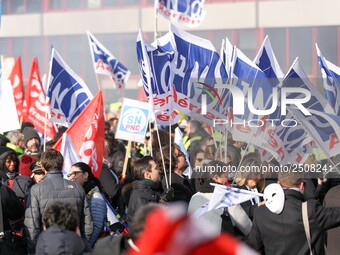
(54, 189)
(81, 172)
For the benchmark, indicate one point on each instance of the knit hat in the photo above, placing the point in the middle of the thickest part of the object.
(25, 163)
(30, 133)
(26, 124)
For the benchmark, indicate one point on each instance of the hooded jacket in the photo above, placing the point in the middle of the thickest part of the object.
(4, 153)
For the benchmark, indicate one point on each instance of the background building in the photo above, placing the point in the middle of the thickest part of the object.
(30, 27)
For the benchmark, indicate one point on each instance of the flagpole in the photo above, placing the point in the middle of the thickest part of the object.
(155, 32)
(170, 147)
(160, 146)
(98, 83)
(128, 150)
(45, 126)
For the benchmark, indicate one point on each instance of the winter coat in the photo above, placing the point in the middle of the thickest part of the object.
(332, 198)
(22, 185)
(12, 209)
(57, 241)
(284, 233)
(143, 192)
(98, 212)
(183, 191)
(109, 245)
(52, 190)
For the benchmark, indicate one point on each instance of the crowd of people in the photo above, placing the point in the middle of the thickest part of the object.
(45, 213)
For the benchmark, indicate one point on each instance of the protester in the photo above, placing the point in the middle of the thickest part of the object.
(232, 219)
(251, 179)
(81, 173)
(280, 229)
(9, 165)
(28, 177)
(52, 190)
(147, 187)
(332, 199)
(183, 190)
(12, 210)
(61, 233)
(16, 142)
(114, 153)
(32, 142)
(169, 230)
(120, 244)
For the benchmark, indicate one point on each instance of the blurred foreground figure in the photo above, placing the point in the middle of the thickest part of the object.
(61, 233)
(169, 230)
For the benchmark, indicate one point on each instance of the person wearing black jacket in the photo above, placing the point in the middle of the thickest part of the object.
(147, 187)
(183, 191)
(282, 232)
(12, 210)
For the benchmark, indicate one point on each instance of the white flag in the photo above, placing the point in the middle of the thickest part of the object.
(225, 196)
(70, 155)
(8, 110)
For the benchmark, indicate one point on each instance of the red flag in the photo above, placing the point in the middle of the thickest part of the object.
(87, 134)
(169, 231)
(17, 85)
(35, 100)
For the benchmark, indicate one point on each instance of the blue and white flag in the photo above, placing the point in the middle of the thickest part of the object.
(323, 127)
(227, 56)
(331, 80)
(67, 92)
(257, 93)
(224, 196)
(182, 68)
(154, 65)
(197, 70)
(179, 141)
(267, 62)
(106, 64)
(297, 78)
(187, 12)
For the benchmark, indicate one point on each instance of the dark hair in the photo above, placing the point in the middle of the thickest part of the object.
(139, 218)
(92, 181)
(52, 160)
(290, 179)
(62, 215)
(166, 156)
(211, 170)
(140, 166)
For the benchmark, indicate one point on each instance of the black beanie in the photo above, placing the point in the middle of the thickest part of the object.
(30, 133)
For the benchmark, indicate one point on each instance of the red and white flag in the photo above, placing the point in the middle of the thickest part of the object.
(18, 85)
(87, 134)
(35, 103)
(173, 232)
